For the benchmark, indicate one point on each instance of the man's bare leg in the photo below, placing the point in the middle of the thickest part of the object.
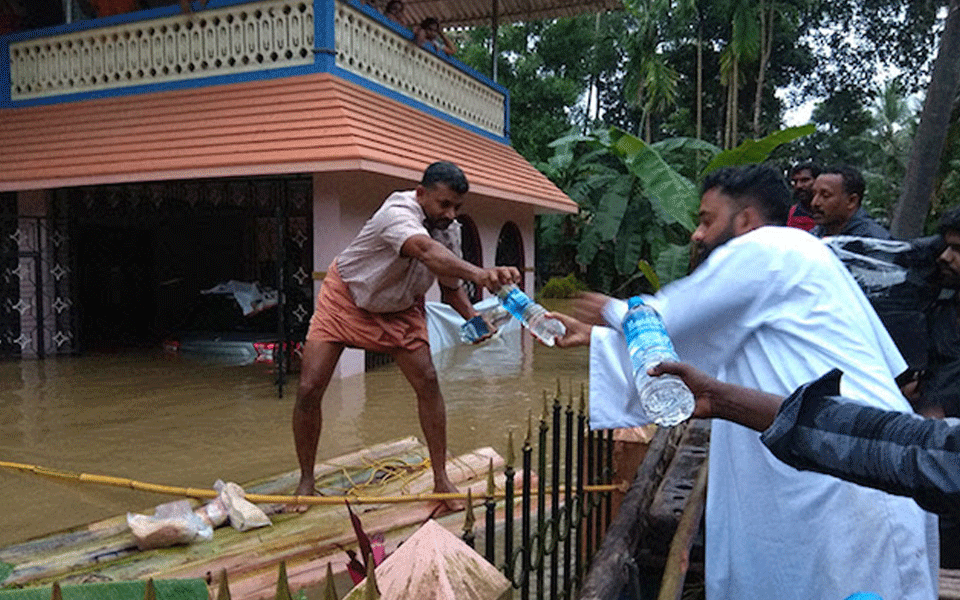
(417, 367)
(319, 361)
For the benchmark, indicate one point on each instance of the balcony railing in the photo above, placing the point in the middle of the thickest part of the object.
(236, 39)
(380, 54)
(240, 39)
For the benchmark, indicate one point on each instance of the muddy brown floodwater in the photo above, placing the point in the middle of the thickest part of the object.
(181, 422)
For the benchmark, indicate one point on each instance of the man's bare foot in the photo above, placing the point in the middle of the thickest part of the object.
(447, 487)
(306, 488)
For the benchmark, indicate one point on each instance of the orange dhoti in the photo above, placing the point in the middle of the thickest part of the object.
(338, 319)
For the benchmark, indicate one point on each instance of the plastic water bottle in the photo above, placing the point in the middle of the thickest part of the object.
(530, 314)
(473, 330)
(665, 399)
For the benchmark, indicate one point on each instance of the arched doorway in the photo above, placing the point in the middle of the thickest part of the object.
(472, 253)
(510, 248)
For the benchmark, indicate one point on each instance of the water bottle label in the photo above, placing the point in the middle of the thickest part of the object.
(516, 302)
(646, 338)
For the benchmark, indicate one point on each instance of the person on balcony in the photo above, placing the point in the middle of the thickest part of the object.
(186, 8)
(395, 12)
(429, 35)
(373, 298)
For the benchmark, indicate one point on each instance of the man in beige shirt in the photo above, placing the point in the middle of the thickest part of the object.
(373, 298)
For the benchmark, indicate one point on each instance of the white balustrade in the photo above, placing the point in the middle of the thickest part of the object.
(367, 48)
(242, 38)
(222, 41)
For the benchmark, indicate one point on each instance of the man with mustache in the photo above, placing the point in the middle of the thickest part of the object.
(941, 385)
(770, 307)
(802, 176)
(373, 298)
(836, 205)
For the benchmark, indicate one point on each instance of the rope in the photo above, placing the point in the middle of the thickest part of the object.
(209, 494)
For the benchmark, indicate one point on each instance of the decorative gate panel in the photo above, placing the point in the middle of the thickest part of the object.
(36, 307)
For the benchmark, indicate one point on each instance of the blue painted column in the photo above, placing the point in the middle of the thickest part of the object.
(325, 43)
(4, 71)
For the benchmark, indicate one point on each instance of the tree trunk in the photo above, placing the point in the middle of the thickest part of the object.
(700, 81)
(766, 47)
(733, 104)
(918, 182)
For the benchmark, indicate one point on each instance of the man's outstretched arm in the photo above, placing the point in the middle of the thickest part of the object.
(814, 429)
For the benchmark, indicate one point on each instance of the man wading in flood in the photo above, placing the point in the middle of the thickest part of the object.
(373, 298)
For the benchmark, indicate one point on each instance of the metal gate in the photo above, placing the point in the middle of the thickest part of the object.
(45, 262)
(37, 313)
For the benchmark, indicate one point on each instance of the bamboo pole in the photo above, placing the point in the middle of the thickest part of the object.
(209, 494)
(678, 557)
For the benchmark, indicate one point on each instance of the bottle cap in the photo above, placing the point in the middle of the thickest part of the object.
(635, 301)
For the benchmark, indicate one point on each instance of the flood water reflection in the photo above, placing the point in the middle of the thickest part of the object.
(179, 422)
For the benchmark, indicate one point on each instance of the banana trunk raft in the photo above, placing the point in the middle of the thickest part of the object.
(306, 542)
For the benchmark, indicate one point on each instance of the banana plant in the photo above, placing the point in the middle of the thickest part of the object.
(638, 203)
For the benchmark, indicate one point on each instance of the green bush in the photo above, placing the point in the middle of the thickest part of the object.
(563, 287)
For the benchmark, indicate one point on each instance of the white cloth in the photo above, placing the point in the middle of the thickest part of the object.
(773, 309)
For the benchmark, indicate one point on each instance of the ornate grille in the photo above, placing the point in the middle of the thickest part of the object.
(36, 305)
(235, 39)
(375, 52)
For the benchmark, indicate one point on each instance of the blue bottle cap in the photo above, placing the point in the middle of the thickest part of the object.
(635, 301)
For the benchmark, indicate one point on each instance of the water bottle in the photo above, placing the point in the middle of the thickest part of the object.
(530, 314)
(665, 399)
(473, 330)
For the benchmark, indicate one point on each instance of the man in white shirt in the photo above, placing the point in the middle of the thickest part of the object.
(373, 298)
(771, 308)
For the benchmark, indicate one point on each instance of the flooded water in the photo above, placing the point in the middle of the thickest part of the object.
(179, 422)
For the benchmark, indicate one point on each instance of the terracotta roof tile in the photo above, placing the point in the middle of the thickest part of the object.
(311, 123)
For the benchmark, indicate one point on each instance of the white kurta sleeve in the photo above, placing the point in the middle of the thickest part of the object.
(614, 401)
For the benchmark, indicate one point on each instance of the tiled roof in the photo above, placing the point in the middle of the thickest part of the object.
(452, 13)
(310, 123)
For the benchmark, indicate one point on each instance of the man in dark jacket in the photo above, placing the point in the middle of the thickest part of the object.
(836, 205)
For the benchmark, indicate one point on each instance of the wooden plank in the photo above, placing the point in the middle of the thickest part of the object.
(306, 542)
(949, 584)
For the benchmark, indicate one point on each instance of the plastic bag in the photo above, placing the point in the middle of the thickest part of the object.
(171, 524)
(214, 512)
(899, 279)
(244, 515)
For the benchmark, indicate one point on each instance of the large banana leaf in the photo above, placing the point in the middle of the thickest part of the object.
(630, 239)
(757, 151)
(676, 194)
(605, 222)
(673, 263)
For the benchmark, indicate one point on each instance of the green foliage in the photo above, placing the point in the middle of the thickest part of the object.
(666, 189)
(755, 151)
(563, 287)
(5, 570)
(637, 211)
